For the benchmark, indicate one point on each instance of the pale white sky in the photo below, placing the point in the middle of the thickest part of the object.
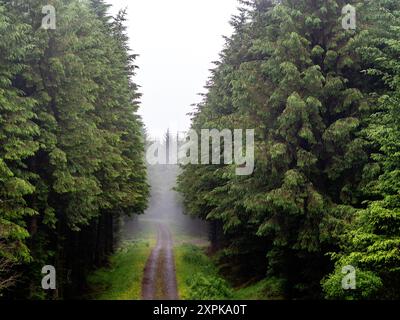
(177, 40)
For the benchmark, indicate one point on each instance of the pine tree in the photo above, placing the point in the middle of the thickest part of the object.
(85, 167)
(17, 143)
(291, 76)
(372, 244)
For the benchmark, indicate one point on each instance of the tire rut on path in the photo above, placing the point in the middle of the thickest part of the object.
(159, 279)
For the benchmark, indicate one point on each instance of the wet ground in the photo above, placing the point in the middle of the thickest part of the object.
(159, 280)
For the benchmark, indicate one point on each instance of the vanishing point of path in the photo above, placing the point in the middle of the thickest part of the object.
(159, 279)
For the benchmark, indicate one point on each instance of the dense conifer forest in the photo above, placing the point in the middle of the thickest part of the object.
(325, 192)
(71, 144)
(324, 197)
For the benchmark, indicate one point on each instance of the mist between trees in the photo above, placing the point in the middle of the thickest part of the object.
(216, 147)
(324, 193)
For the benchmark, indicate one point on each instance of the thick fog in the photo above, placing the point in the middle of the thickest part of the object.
(166, 206)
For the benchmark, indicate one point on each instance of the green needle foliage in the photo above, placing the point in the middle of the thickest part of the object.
(324, 103)
(310, 89)
(71, 154)
(372, 243)
(18, 134)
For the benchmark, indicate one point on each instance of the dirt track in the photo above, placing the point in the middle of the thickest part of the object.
(159, 280)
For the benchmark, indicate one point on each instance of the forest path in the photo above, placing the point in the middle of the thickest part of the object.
(159, 279)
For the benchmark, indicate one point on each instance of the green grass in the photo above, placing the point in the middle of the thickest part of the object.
(198, 279)
(197, 276)
(123, 279)
(267, 289)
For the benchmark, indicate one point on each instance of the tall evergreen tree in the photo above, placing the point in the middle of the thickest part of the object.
(291, 75)
(17, 143)
(372, 244)
(77, 135)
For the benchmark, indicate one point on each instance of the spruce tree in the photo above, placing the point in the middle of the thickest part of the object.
(17, 143)
(85, 167)
(372, 243)
(294, 79)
